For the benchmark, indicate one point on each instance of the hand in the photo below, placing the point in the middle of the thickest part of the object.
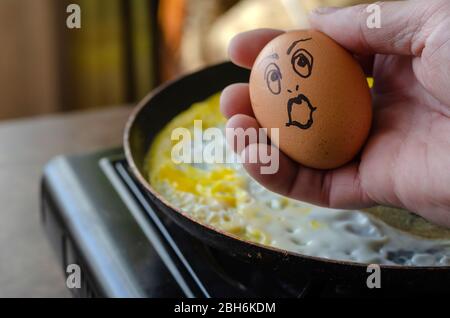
(406, 160)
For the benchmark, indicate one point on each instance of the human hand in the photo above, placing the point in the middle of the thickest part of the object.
(406, 159)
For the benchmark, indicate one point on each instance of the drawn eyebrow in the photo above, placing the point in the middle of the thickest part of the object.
(272, 56)
(295, 43)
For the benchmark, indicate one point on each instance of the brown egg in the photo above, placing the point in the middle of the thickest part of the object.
(315, 92)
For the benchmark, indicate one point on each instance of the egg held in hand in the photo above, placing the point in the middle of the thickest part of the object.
(316, 93)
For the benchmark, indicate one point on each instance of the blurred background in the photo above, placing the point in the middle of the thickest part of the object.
(123, 49)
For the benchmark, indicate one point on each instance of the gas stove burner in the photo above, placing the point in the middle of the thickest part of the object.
(97, 216)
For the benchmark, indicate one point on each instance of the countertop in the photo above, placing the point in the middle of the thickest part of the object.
(28, 267)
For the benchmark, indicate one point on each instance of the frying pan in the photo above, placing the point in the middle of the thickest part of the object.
(164, 103)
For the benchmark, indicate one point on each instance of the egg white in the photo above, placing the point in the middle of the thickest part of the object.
(224, 196)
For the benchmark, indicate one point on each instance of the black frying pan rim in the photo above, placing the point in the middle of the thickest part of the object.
(145, 102)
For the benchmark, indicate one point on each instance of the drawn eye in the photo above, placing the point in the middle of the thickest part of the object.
(272, 75)
(302, 62)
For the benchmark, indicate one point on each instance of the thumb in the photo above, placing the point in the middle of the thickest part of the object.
(403, 26)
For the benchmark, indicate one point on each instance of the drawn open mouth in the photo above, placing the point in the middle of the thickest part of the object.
(300, 101)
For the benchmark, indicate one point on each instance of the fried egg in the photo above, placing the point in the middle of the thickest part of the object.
(224, 196)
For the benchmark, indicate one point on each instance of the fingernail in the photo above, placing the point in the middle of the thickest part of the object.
(325, 10)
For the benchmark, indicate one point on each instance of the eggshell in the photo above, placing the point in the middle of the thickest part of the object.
(316, 93)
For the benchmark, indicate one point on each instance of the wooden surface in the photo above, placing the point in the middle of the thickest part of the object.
(28, 267)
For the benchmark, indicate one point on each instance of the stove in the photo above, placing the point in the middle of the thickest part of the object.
(98, 217)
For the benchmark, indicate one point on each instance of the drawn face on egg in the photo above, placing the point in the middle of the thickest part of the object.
(301, 64)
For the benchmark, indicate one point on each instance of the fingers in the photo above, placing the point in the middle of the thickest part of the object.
(245, 47)
(278, 182)
(235, 99)
(241, 125)
(339, 188)
(405, 26)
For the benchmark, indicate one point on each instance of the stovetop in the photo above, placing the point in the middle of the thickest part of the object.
(98, 217)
